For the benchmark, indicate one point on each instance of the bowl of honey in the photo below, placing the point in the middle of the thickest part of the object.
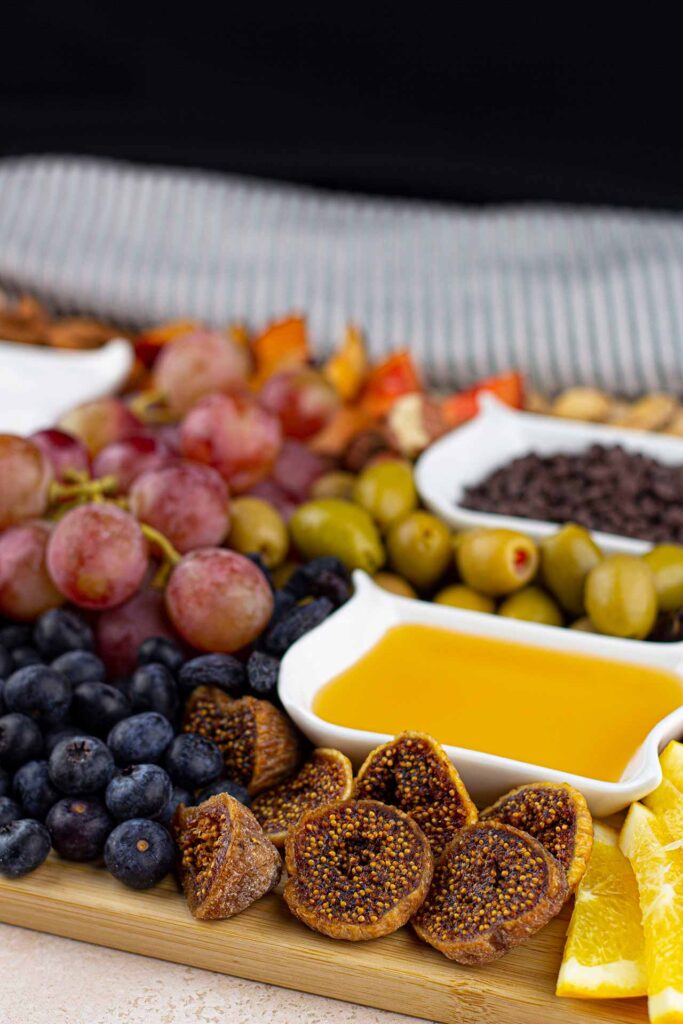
(511, 702)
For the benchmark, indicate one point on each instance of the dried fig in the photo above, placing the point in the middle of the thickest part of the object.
(226, 860)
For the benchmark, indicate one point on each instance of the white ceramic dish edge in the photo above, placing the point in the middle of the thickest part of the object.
(38, 385)
(498, 434)
(343, 638)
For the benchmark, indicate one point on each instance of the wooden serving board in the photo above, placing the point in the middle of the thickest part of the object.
(265, 943)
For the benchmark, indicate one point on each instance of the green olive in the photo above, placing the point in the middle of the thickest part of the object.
(566, 559)
(460, 596)
(335, 484)
(387, 491)
(331, 526)
(621, 598)
(666, 563)
(257, 527)
(583, 625)
(496, 562)
(394, 584)
(533, 605)
(419, 548)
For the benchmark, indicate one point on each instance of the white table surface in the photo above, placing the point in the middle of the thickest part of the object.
(48, 980)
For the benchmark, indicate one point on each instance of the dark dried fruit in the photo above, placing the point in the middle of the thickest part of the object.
(357, 869)
(413, 772)
(557, 816)
(327, 776)
(297, 623)
(226, 861)
(263, 671)
(494, 887)
(258, 743)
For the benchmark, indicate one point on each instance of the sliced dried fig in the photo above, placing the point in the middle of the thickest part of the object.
(259, 744)
(494, 887)
(413, 772)
(325, 777)
(226, 862)
(557, 815)
(357, 869)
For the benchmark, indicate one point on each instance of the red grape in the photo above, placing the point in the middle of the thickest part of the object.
(169, 433)
(235, 436)
(100, 423)
(97, 555)
(271, 492)
(120, 631)
(218, 600)
(199, 364)
(25, 478)
(126, 460)
(297, 468)
(188, 503)
(64, 451)
(302, 399)
(26, 590)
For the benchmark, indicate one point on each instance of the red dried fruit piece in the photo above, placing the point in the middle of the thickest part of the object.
(494, 887)
(226, 862)
(327, 776)
(413, 772)
(357, 869)
(259, 745)
(557, 815)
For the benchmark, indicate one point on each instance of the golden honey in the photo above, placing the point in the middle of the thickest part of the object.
(572, 712)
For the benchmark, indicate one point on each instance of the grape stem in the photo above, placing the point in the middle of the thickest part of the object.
(150, 407)
(83, 490)
(170, 557)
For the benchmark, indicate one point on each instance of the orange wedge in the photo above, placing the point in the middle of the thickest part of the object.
(604, 957)
(659, 872)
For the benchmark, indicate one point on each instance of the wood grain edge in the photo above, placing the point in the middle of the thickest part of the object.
(266, 944)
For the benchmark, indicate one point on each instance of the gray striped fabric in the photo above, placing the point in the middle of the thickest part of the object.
(570, 296)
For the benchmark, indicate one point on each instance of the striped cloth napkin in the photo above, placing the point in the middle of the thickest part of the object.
(570, 296)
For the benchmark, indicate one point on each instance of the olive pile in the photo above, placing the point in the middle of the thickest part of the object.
(373, 522)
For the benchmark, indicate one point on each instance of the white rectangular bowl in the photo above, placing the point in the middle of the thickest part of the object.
(499, 434)
(348, 634)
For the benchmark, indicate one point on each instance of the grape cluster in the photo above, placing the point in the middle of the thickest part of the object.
(126, 582)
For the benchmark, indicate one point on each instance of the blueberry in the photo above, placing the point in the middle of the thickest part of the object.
(225, 786)
(302, 581)
(15, 635)
(262, 672)
(39, 692)
(140, 739)
(296, 624)
(153, 688)
(220, 670)
(59, 631)
(20, 740)
(23, 656)
(79, 826)
(9, 810)
(5, 662)
(62, 732)
(178, 796)
(81, 764)
(162, 650)
(138, 791)
(24, 845)
(5, 782)
(97, 707)
(193, 761)
(80, 667)
(33, 788)
(139, 853)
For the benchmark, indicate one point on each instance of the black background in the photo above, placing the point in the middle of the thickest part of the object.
(477, 108)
